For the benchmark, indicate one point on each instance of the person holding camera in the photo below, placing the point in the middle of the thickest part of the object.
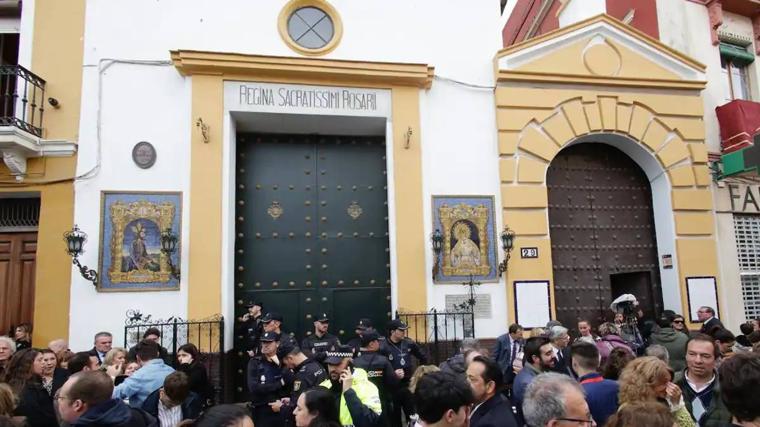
(358, 399)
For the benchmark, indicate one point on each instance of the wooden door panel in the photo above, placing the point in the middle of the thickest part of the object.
(601, 224)
(6, 295)
(17, 274)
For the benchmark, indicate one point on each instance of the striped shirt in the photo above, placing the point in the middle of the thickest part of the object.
(169, 417)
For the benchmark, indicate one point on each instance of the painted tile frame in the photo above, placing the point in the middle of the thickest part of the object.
(132, 222)
(477, 212)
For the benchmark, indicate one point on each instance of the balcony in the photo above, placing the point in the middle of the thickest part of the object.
(739, 121)
(22, 94)
(22, 101)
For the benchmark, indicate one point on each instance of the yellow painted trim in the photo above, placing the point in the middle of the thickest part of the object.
(57, 54)
(274, 68)
(540, 122)
(205, 263)
(633, 32)
(407, 170)
(503, 76)
(292, 6)
(209, 70)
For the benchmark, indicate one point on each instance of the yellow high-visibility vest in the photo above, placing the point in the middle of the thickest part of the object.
(365, 391)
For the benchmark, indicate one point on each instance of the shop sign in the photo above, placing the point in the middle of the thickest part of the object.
(744, 198)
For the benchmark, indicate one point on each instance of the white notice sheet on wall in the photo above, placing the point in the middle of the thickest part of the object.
(702, 291)
(532, 303)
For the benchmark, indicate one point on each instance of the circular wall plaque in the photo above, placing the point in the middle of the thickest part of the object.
(144, 154)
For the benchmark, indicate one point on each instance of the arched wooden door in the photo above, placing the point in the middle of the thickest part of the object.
(602, 233)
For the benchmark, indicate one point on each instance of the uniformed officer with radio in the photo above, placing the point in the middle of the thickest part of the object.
(307, 374)
(251, 327)
(266, 382)
(316, 344)
(400, 350)
(379, 370)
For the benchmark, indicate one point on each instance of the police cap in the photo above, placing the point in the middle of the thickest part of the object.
(271, 316)
(369, 336)
(335, 357)
(269, 337)
(364, 324)
(397, 324)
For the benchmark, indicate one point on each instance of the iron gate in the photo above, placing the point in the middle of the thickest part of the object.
(439, 333)
(206, 334)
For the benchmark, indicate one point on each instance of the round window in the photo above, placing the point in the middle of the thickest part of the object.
(311, 27)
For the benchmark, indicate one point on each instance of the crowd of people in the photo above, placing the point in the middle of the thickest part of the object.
(619, 374)
(103, 386)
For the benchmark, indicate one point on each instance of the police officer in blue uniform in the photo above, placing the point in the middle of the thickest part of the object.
(272, 322)
(356, 342)
(251, 327)
(321, 341)
(266, 382)
(307, 373)
(379, 370)
(400, 350)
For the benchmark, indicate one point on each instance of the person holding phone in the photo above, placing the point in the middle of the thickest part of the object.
(358, 399)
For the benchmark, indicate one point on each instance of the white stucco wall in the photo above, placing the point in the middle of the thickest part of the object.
(685, 26)
(139, 103)
(152, 102)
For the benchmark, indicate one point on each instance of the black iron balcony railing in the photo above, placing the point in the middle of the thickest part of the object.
(22, 96)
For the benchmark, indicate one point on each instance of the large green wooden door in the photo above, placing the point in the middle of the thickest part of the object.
(312, 229)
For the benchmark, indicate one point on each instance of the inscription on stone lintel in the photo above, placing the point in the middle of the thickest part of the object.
(341, 99)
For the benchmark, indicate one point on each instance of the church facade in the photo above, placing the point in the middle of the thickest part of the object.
(371, 159)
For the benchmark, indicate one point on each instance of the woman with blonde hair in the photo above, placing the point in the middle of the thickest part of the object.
(650, 414)
(648, 379)
(420, 372)
(116, 356)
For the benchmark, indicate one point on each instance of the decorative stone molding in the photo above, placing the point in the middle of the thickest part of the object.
(15, 162)
(17, 146)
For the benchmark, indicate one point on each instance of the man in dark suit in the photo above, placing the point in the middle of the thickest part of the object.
(491, 407)
(508, 346)
(103, 343)
(706, 315)
(560, 339)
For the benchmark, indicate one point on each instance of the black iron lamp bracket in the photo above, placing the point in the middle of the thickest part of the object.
(503, 264)
(86, 272)
(175, 272)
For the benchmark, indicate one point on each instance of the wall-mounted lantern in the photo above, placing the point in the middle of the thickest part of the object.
(507, 237)
(75, 240)
(169, 247)
(437, 240)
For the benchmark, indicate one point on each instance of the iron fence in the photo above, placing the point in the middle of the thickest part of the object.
(22, 97)
(206, 334)
(439, 333)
